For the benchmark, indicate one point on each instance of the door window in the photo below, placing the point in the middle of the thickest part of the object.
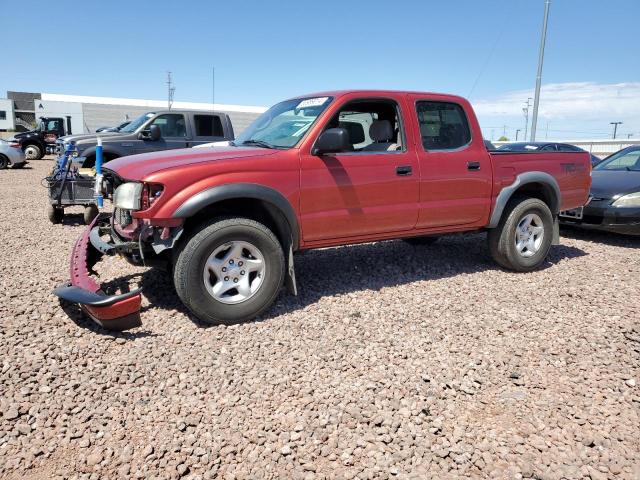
(443, 125)
(208, 126)
(372, 125)
(171, 125)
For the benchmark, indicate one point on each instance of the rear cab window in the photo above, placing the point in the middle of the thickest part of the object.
(443, 125)
(208, 126)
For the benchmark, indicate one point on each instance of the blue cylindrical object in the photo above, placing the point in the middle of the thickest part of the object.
(98, 194)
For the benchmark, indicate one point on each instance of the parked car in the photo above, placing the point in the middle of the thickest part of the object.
(151, 132)
(113, 129)
(614, 200)
(546, 147)
(42, 140)
(322, 170)
(11, 155)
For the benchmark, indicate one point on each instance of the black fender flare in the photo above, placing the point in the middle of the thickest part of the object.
(242, 190)
(550, 183)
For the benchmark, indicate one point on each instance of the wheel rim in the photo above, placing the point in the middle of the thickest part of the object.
(529, 235)
(31, 153)
(234, 272)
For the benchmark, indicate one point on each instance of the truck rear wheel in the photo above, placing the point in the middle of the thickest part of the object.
(229, 271)
(32, 152)
(522, 239)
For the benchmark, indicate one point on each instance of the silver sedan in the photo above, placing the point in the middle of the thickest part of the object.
(11, 155)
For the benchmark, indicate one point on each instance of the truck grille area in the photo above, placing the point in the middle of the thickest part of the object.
(122, 217)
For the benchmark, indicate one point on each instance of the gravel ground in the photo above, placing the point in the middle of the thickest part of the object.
(394, 362)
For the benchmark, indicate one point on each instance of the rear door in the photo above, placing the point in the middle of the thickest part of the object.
(207, 127)
(456, 171)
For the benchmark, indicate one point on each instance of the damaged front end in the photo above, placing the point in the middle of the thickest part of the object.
(139, 242)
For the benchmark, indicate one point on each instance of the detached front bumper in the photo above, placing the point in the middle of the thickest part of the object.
(113, 312)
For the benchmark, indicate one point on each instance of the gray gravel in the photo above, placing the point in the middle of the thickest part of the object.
(394, 362)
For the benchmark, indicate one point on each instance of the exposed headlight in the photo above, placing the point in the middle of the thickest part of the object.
(629, 200)
(127, 196)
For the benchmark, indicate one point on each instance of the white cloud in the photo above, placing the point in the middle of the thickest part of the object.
(587, 101)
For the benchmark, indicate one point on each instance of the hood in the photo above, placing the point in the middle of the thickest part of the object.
(20, 135)
(608, 183)
(138, 167)
(93, 137)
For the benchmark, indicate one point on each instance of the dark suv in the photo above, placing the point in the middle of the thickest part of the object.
(153, 131)
(546, 147)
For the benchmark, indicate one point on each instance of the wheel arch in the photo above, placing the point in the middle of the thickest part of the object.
(250, 200)
(108, 154)
(539, 185)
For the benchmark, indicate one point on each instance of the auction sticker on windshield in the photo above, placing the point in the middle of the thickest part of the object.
(312, 102)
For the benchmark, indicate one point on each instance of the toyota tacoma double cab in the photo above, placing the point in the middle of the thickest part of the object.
(321, 170)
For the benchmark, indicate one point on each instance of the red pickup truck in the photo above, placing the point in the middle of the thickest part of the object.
(326, 169)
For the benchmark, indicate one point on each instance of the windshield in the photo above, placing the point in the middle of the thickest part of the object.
(284, 124)
(627, 159)
(137, 123)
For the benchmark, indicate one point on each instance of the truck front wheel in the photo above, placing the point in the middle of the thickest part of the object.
(32, 152)
(229, 271)
(522, 239)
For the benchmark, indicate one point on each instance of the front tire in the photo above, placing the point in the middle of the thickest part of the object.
(522, 239)
(32, 152)
(229, 271)
(4, 162)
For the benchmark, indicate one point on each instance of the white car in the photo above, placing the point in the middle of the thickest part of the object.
(11, 155)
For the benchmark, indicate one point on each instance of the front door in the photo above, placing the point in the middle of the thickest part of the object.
(173, 128)
(370, 189)
(456, 171)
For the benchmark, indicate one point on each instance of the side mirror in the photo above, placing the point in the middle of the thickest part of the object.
(332, 140)
(154, 133)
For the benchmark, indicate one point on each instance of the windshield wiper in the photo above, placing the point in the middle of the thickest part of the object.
(258, 143)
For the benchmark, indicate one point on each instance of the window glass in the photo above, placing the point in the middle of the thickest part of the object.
(443, 126)
(171, 125)
(548, 148)
(621, 161)
(372, 125)
(3, 115)
(208, 126)
(284, 124)
(568, 148)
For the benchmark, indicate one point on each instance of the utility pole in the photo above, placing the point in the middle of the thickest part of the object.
(213, 88)
(517, 132)
(546, 133)
(615, 128)
(170, 90)
(536, 100)
(525, 110)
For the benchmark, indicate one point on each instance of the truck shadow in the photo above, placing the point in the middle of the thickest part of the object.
(373, 266)
(597, 236)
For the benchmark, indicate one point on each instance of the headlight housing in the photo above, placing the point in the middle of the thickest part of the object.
(628, 200)
(128, 196)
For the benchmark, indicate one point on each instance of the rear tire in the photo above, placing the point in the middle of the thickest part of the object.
(202, 287)
(522, 239)
(55, 214)
(421, 240)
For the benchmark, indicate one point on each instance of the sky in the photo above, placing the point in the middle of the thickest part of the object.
(266, 51)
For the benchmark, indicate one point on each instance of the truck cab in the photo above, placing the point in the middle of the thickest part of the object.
(152, 132)
(42, 140)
